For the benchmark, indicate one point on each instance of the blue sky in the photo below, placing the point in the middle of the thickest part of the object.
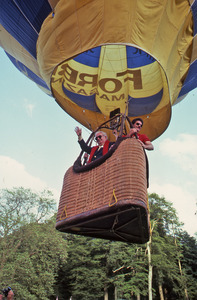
(38, 144)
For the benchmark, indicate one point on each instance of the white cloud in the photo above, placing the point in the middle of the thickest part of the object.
(29, 108)
(14, 174)
(183, 201)
(182, 150)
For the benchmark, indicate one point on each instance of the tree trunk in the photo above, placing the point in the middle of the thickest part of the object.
(180, 268)
(105, 293)
(138, 297)
(150, 270)
(115, 293)
(150, 267)
(161, 292)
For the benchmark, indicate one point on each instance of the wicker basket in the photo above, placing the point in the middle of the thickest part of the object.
(109, 201)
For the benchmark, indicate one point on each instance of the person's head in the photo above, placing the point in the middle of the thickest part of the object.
(10, 295)
(100, 137)
(137, 123)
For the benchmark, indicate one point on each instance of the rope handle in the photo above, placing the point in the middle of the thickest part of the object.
(113, 196)
(64, 211)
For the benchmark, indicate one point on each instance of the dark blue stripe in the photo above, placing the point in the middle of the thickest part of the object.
(89, 58)
(190, 82)
(137, 106)
(86, 102)
(137, 58)
(27, 72)
(194, 12)
(23, 20)
(143, 106)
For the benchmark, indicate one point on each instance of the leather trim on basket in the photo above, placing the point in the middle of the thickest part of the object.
(78, 168)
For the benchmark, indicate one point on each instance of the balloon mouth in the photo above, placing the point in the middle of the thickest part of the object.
(112, 76)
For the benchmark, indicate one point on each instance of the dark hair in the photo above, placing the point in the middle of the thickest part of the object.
(6, 291)
(137, 119)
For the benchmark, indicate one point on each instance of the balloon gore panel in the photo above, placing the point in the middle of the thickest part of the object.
(107, 77)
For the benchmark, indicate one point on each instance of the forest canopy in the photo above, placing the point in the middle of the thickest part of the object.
(38, 262)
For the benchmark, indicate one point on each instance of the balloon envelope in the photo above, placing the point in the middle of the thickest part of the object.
(94, 57)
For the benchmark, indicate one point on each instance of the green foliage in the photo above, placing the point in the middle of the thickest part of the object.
(39, 263)
(86, 272)
(21, 206)
(188, 246)
(167, 250)
(31, 252)
(164, 214)
(129, 269)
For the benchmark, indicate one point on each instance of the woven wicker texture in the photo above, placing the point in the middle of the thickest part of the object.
(120, 177)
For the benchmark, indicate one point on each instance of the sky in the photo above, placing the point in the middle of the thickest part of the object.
(38, 144)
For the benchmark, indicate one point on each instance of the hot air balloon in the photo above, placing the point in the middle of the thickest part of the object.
(95, 57)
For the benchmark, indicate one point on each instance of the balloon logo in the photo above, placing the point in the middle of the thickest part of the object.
(95, 57)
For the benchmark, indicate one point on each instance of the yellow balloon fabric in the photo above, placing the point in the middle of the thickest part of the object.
(97, 56)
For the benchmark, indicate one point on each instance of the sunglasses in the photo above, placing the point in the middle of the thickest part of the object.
(98, 137)
(138, 124)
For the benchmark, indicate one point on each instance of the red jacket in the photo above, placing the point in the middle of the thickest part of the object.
(93, 150)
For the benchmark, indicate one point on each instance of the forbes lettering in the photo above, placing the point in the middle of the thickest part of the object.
(107, 85)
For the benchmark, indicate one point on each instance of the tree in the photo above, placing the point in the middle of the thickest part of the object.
(128, 263)
(21, 206)
(166, 256)
(119, 270)
(31, 250)
(86, 272)
(188, 247)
